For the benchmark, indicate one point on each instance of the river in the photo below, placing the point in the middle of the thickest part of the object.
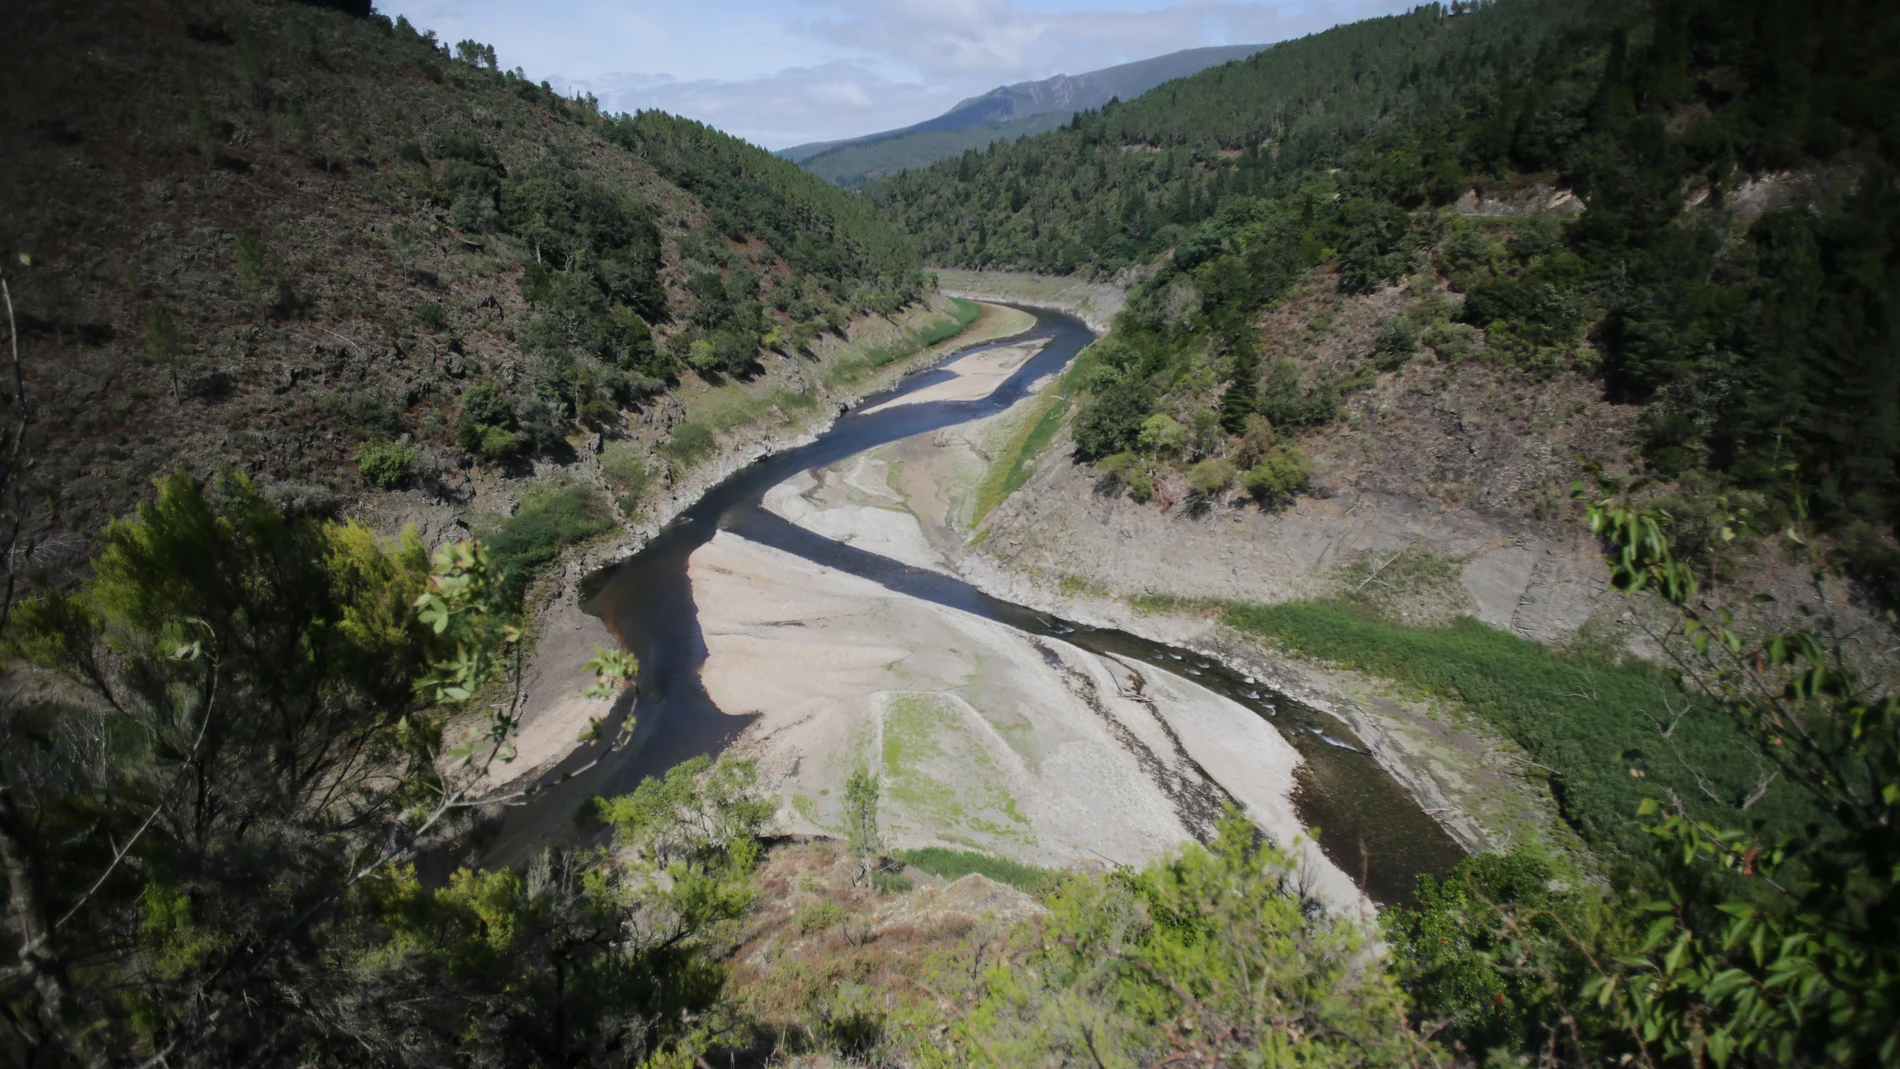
(1372, 829)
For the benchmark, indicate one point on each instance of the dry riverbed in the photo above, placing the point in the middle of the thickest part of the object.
(913, 500)
(563, 636)
(985, 737)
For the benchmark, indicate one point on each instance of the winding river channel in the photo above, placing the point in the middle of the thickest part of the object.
(1372, 828)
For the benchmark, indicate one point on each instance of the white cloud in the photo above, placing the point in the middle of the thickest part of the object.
(841, 94)
(956, 39)
(783, 72)
(789, 107)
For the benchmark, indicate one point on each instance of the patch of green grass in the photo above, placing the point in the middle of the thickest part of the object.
(627, 475)
(1594, 721)
(890, 882)
(547, 522)
(806, 807)
(925, 739)
(724, 408)
(963, 313)
(910, 740)
(1015, 814)
(793, 402)
(690, 444)
(1017, 461)
(851, 369)
(950, 864)
(1071, 585)
(1152, 602)
(1386, 584)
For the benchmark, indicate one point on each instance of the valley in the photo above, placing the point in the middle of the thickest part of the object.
(1375, 549)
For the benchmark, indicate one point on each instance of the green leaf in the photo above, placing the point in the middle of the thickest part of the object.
(1674, 958)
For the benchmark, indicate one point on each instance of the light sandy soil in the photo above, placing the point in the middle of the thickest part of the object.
(1095, 303)
(554, 710)
(554, 714)
(911, 501)
(984, 737)
(972, 377)
(854, 504)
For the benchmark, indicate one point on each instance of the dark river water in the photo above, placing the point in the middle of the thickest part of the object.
(1370, 827)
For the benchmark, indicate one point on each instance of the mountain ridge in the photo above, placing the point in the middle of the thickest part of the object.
(1061, 93)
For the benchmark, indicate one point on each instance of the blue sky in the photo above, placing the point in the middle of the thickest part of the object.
(786, 72)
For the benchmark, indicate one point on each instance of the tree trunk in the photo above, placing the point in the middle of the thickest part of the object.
(39, 959)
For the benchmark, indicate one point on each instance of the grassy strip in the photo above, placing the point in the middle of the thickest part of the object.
(963, 313)
(628, 477)
(1594, 721)
(547, 522)
(853, 368)
(951, 864)
(735, 404)
(725, 407)
(1016, 462)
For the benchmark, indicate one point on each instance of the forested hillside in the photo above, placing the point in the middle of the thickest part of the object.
(299, 243)
(253, 756)
(1003, 114)
(1731, 268)
(855, 164)
(1118, 186)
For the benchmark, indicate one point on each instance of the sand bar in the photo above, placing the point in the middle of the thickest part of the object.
(985, 737)
(972, 377)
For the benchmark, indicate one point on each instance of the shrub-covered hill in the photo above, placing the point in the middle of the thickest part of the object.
(1687, 207)
(269, 235)
(1119, 186)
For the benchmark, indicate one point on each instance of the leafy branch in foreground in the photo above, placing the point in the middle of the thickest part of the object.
(227, 751)
(1724, 947)
(1217, 955)
(1769, 951)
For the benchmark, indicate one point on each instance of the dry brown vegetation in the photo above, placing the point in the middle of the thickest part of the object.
(1447, 427)
(821, 956)
(261, 173)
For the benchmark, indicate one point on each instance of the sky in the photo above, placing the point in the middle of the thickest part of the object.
(784, 72)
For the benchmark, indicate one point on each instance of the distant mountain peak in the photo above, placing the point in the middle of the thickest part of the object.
(1061, 93)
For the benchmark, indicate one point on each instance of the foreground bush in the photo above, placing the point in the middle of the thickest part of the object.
(254, 726)
(1215, 956)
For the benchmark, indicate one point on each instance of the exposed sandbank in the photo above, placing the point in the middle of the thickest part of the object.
(1028, 747)
(972, 377)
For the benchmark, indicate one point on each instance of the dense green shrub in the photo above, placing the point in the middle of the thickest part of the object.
(628, 476)
(546, 522)
(1210, 476)
(891, 882)
(385, 465)
(1395, 344)
(1446, 948)
(489, 424)
(1281, 474)
(1112, 422)
(690, 444)
(1216, 935)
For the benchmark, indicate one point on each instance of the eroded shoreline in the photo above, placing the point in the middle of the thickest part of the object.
(996, 727)
(565, 634)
